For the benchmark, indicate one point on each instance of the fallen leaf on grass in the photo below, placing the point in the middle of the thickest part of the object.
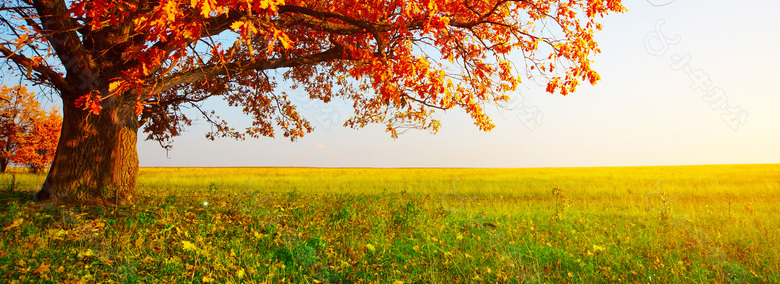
(188, 246)
(16, 223)
(43, 269)
(86, 253)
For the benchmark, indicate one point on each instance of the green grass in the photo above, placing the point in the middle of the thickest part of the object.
(692, 224)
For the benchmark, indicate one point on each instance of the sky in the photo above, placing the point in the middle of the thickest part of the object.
(689, 82)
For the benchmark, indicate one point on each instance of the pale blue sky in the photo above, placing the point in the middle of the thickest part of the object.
(642, 112)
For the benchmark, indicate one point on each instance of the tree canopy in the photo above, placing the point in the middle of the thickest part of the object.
(396, 61)
(28, 134)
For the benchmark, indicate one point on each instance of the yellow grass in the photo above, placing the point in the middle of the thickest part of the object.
(676, 224)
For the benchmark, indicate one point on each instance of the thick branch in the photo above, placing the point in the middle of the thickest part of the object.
(60, 30)
(195, 75)
(47, 73)
(368, 26)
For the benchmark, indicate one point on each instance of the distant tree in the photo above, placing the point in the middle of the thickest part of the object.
(28, 134)
(37, 148)
(124, 65)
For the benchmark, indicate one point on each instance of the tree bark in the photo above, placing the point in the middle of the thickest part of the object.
(96, 161)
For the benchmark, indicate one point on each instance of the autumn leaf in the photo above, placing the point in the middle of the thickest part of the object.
(188, 246)
(43, 269)
(16, 223)
(57, 234)
(114, 86)
(205, 6)
(89, 102)
(139, 108)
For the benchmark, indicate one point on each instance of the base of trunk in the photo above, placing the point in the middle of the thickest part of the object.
(96, 160)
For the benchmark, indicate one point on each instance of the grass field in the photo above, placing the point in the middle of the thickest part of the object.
(682, 224)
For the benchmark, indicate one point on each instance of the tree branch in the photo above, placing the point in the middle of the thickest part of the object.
(60, 30)
(201, 73)
(47, 73)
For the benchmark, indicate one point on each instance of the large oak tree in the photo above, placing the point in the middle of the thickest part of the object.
(124, 65)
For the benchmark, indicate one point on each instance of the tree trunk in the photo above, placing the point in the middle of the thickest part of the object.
(6, 154)
(96, 161)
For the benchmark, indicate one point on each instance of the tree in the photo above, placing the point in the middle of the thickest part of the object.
(37, 148)
(124, 65)
(28, 134)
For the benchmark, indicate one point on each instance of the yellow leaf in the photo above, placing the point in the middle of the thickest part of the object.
(60, 269)
(240, 273)
(16, 223)
(170, 10)
(188, 246)
(87, 253)
(205, 10)
(597, 248)
(370, 247)
(56, 234)
(236, 25)
(43, 269)
(113, 86)
(285, 40)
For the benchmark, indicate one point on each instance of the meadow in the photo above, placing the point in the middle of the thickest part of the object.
(676, 224)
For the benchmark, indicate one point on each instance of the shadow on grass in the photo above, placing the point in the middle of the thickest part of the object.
(18, 187)
(8, 197)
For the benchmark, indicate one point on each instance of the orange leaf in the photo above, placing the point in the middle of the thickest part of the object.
(43, 269)
(139, 108)
(89, 101)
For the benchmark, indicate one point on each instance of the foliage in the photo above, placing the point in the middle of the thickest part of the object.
(702, 224)
(129, 65)
(397, 61)
(28, 134)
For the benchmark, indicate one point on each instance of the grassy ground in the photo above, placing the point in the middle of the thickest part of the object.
(251, 225)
